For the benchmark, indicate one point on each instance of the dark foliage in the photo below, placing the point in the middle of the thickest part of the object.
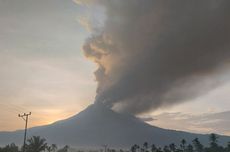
(38, 144)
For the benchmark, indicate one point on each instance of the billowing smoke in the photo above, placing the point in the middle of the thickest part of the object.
(154, 53)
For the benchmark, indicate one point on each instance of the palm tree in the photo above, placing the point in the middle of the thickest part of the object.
(145, 146)
(36, 144)
(183, 144)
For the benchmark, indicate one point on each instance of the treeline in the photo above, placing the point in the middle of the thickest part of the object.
(38, 144)
(195, 146)
(34, 144)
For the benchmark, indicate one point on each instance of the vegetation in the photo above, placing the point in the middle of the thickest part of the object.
(195, 146)
(38, 144)
(10, 148)
(34, 144)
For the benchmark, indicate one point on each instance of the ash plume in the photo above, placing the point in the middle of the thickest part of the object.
(155, 53)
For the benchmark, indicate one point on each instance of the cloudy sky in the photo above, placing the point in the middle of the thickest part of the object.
(43, 70)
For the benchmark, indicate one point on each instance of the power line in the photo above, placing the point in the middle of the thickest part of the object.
(25, 118)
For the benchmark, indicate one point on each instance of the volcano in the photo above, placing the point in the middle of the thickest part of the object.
(98, 125)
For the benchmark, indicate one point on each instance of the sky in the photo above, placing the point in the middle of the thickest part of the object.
(43, 70)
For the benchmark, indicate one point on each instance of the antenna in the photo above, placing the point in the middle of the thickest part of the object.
(25, 118)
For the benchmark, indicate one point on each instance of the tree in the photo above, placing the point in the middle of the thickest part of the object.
(153, 148)
(228, 147)
(172, 147)
(166, 149)
(189, 148)
(10, 148)
(159, 149)
(134, 148)
(197, 145)
(213, 138)
(36, 144)
(183, 144)
(145, 146)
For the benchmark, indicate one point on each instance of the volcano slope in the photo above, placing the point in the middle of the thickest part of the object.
(98, 125)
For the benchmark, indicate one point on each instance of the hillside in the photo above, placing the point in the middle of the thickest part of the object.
(98, 125)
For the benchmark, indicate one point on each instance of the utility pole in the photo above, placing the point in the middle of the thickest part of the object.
(25, 118)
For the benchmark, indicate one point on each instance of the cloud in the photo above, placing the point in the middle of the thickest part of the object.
(85, 23)
(159, 53)
(147, 118)
(202, 123)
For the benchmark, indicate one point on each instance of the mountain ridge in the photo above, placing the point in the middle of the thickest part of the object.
(98, 125)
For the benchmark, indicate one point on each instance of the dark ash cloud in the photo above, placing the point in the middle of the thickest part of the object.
(158, 53)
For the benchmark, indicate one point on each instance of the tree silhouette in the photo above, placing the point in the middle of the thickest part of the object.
(166, 149)
(197, 145)
(145, 146)
(189, 148)
(159, 149)
(172, 147)
(10, 148)
(36, 144)
(183, 144)
(153, 148)
(214, 147)
(227, 149)
(213, 138)
(134, 148)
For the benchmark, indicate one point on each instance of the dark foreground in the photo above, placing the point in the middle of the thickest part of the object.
(38, 144)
